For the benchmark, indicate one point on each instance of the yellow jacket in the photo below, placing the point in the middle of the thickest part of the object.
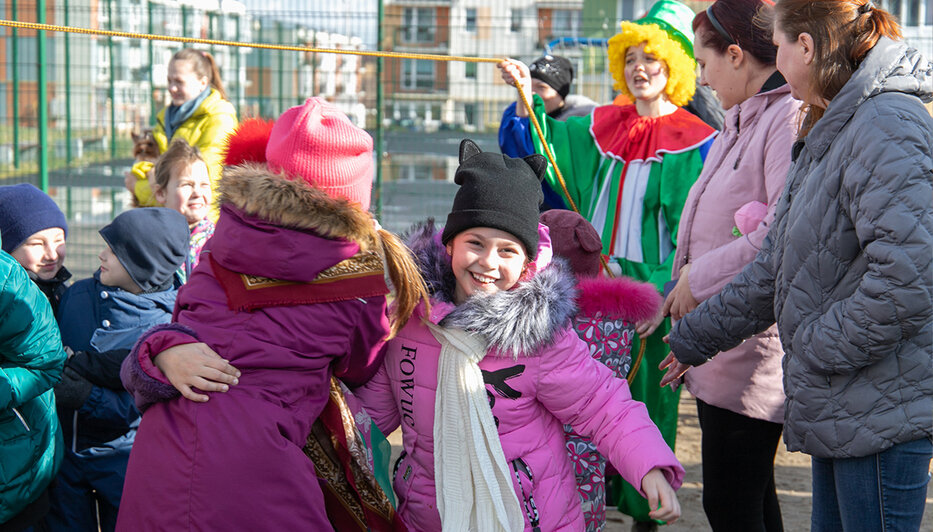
(207, 128)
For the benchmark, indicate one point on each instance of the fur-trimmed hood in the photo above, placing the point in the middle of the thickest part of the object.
(518, 322)
(280, 229)
(257, 191)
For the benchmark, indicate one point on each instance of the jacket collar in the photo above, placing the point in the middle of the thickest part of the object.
(518, 322)
(744, 115)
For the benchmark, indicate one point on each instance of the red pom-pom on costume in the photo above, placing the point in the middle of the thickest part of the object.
(247, 143)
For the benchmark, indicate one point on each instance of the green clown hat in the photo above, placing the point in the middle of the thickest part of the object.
(675, 18)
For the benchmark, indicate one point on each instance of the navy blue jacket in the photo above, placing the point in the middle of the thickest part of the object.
(94, 319)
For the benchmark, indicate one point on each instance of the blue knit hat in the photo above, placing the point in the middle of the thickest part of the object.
(150, 242)
(24, 211)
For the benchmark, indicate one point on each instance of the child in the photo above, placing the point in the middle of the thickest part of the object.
(199, 113)
(482, 382)
(34, 231)
(608, 311)
(292, 289)
(31, 360)
(181, 182)
(133, 290)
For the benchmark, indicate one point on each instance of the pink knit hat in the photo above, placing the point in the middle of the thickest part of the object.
(316, 142)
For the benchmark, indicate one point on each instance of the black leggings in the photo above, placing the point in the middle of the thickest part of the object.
(738, 471)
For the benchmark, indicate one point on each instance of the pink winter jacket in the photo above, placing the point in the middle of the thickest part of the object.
(748, 162)
(553, 380)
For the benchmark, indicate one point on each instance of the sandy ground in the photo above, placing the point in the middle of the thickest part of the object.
(792, 476)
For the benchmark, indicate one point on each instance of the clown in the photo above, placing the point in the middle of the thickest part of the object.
(628, 170)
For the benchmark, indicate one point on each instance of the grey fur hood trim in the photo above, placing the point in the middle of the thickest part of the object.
(517, 323)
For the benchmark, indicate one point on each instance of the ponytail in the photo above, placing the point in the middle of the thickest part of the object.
(843, 32)
(203, 64)
(410, 289)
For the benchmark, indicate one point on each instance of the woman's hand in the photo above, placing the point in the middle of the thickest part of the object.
(189, 366)
(646, 327)
(680, 301)
(675, 370)
(661, 497)
(516, 73)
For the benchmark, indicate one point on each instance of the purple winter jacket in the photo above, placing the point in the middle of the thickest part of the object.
(236, 461)
(539, 375)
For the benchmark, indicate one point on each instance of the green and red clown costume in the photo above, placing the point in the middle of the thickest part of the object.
(629, 175)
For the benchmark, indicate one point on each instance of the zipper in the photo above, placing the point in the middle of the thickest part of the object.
(21, 419)
(74, 432)
(531, 508)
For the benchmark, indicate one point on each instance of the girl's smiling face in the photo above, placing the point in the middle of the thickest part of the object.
(487, 260)
(189, 192)
(645, 74)
(42, 253)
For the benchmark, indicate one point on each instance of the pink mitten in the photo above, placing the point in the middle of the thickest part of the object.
(749, 216)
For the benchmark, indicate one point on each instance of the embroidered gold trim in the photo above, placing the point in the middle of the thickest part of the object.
(363, 264)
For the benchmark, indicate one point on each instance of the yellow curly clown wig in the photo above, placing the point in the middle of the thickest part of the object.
(681, 68)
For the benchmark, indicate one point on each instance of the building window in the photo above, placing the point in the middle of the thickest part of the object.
(470, 72)
(417, 74)
(471, 19)
(912, 17)
(515, 25)
(418, 25)
(469, 114)
(565, 23)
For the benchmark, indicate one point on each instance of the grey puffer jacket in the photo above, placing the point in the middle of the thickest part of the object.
(846, 269)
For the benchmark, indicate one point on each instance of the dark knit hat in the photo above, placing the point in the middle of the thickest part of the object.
(574, 239)
(497, 191)
(151, 243)
(24, 211)
(554, 70)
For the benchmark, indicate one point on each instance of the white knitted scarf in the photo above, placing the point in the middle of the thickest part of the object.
(474, 488)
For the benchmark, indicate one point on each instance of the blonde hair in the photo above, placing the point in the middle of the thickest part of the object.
(681, 68)
(410, 289)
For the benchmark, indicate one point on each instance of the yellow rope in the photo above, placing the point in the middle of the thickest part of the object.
(643, 344)
(282, 47)
(193, 40)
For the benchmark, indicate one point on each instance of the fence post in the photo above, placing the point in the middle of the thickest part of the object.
(68, 154)
(14, 63)
(153, 111)
(379, 65)
(260, 94)
(239, 66)
(111, 91)
(42, 104)
(281, 72)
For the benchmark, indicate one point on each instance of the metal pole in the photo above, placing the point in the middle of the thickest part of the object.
(239, 66)
(68, 154)
(281, 73)
(42, 101)
(153, 109)
(111, 90)
(14, 64)
(379, 148)
(262, 75)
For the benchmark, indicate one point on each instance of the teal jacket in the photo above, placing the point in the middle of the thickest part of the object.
(31, 362)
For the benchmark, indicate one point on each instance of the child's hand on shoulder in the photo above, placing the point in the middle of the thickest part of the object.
(189, 366)
(661, 497)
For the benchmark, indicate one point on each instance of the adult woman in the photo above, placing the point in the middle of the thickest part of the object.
(846, 268)
(199, 113)
(629, 168)
(740, 401)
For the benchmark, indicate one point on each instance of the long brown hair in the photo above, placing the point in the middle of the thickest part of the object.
(843, 32)
(410, 289)
(203, 65)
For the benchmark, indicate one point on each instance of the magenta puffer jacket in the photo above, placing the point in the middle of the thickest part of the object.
(539, 375)
(236, 462)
